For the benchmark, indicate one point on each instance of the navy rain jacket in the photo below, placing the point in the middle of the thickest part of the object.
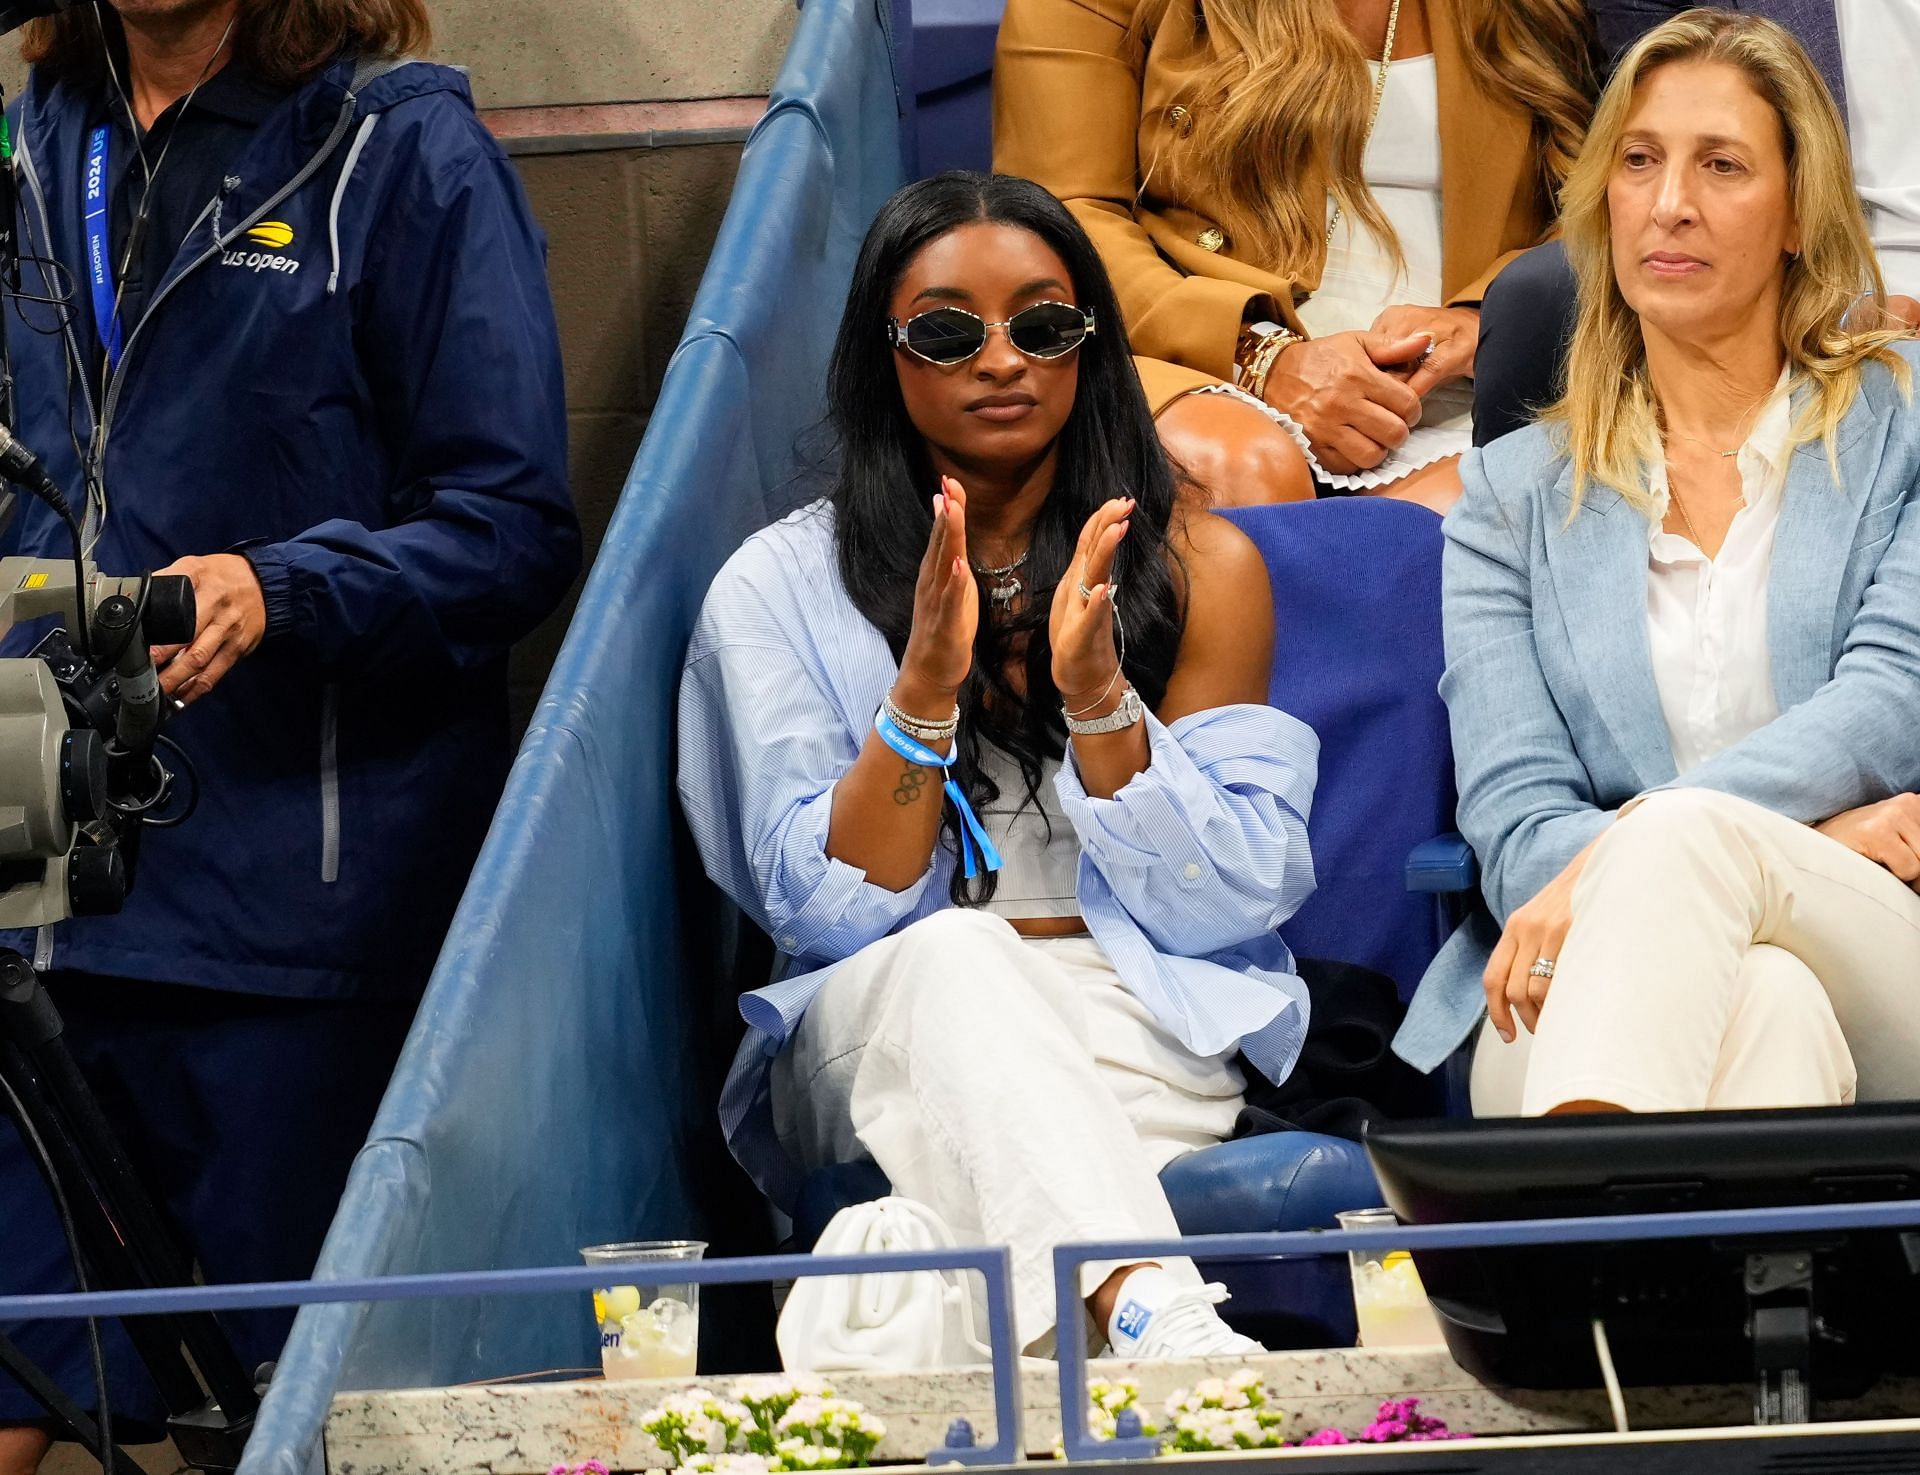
(372, 410)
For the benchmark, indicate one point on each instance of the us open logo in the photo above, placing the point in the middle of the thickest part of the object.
(276, 236)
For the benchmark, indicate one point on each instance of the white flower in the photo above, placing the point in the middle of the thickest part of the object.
(773, 1387)
(725, 1464)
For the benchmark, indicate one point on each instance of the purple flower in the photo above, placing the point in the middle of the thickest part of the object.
(1325, 1436)
(1401, 1422)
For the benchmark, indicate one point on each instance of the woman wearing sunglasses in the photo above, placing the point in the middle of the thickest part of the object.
(980, 739)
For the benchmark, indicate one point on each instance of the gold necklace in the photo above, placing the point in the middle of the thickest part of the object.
(1673, 496)
(1742, 426)
(1379, 96)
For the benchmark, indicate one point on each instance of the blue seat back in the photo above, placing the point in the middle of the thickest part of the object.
(1357, 657)
(558, 1086)
(944, 50)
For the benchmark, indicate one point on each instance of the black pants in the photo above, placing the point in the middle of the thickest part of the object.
(1526, 322)
(242, 1115)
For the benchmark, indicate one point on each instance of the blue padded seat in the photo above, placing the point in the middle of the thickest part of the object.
(944, 49)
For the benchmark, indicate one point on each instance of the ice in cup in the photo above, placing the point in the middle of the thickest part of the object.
(649, 1323)
(1388, 1300)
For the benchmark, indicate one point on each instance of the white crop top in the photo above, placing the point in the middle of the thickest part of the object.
(1039, 851)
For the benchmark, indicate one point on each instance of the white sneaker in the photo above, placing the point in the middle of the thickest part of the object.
(1158, 1317)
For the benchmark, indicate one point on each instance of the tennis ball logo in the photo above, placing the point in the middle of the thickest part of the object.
(273, 234)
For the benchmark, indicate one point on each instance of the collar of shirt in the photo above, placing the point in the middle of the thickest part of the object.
(1763, 460)
(235, 93)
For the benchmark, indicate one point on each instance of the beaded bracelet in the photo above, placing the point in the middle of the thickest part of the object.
(915, 727)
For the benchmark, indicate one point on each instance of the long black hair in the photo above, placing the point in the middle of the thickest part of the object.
(884, 482)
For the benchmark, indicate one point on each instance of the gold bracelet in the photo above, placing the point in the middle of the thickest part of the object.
(1270, 351)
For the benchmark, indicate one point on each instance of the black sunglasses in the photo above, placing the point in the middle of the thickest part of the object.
(952, 335)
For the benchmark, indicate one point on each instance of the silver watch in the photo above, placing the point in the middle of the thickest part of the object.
(1130, 711)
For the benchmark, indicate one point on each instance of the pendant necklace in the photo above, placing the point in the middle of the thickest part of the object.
(1004, 584)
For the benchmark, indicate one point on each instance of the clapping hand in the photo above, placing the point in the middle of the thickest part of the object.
(946, 613)
(1080, 627)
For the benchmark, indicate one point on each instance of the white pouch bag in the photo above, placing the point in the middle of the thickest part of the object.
(894, 1321)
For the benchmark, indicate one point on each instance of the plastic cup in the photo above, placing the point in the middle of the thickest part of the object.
(649, 1323)
(1389, 1302)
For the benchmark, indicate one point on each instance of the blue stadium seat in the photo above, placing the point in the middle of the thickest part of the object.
(945, 54)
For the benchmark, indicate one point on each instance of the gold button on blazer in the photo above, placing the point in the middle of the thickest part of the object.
(1080, 106)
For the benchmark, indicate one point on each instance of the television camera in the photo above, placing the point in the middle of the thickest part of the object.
(80, 717)
(81, 775)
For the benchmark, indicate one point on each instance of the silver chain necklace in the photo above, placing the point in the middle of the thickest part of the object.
(1006, 586)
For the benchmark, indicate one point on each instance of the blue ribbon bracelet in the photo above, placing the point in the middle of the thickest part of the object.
(972, 832)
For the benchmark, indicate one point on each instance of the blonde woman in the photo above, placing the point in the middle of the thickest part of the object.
(1303, 197)
(1683, 629)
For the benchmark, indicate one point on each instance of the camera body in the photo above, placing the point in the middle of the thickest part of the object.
(79, 773)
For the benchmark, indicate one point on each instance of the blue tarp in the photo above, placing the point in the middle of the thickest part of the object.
(557, 1088)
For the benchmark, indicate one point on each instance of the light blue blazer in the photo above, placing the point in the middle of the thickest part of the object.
(1549, 677)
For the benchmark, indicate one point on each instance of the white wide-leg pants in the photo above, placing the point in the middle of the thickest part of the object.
(1721, 956)
(1013, 1085)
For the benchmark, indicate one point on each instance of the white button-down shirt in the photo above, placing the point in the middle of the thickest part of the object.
(1879, 44)
(1707, 617)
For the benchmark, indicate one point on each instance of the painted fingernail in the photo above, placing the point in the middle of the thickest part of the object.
(1506, 1035)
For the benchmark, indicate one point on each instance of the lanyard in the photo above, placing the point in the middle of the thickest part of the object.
(106, 308)
(972, 832)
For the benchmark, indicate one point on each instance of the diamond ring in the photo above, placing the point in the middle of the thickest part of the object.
(1542, 968)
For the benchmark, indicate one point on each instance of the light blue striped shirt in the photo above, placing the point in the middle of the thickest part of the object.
(1184, 874)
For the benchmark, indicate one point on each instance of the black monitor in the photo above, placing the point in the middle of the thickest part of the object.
(1838, 1309)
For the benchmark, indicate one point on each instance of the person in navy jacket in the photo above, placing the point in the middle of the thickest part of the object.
(323, 381)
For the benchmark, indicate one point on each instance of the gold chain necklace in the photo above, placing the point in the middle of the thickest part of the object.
(1379, 96)
(1745, 416)
(1673, 496)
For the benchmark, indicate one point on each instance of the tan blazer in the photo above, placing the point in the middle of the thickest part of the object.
(1078, 108)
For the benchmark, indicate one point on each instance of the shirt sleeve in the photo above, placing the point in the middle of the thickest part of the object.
(1206, 848)
(761, 748)
(1527, 805)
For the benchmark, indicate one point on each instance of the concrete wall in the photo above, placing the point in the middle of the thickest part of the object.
(543, 53)
(629, 173)
(629, 232)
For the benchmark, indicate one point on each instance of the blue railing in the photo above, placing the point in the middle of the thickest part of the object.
(1617, 1229)
(994, 1265)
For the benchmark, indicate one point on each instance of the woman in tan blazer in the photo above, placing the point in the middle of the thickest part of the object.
(1206, 145)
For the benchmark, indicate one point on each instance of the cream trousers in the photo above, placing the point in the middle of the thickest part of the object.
(1721, 957)
(1012, 1085)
